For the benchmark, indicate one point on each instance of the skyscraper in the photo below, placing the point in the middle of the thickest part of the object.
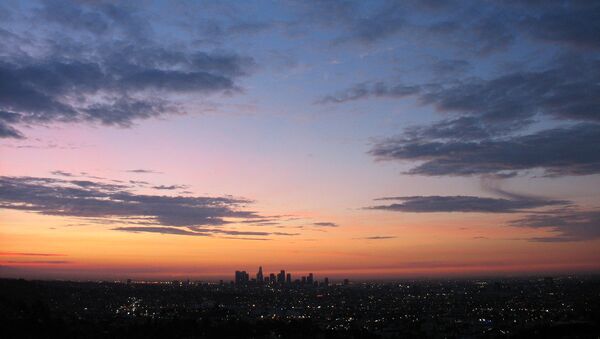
(288, 279)
(259, 275)
(281, 277)
(241, 277)
(310, 279)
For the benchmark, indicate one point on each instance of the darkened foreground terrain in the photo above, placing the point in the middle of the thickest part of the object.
(545, 307)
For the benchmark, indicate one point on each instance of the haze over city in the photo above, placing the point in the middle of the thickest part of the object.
(369, 141)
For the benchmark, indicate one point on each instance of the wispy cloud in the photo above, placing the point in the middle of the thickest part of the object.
(378, 237)
(566, 224)
(30, 254)
(36, 262)
(461, 203)
(143, 171)
(170, 187)
(325, 224)
(161, 230)
(62, 173)
(204, 232)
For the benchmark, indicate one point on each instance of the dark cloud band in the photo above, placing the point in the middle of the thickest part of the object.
(551, 150)
(90, 199)
(461, 203)
(568, 224)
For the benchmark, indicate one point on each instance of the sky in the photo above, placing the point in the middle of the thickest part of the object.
(351, 139)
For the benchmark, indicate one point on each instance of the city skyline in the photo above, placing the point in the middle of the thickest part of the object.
(379, 140)
(281, 278)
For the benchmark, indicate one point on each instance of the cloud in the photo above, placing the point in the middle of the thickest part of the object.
(62, 173)
(487, 130)
(214, 31)
(116, 76)
(274, 220)
(365, 90)
(124, 110)
(30, 254)
(89, 199)
(462, 203)
(106, 203)
(566, 90)
(489, 124)
(576, 24)
(199, 231)
(379, 237)
(7, 131)
(485, 136)
(479, 27)
(235, 232)
(170, 187)
(325, 224)
(37, 262)
(111, 91)
(161, 230)
(98, 18)
(500, 123)
(139, 182)
(286, 234)
(380, 20)
(381, 23)
(143, 171)
(450, 67)
(228, 232)
(550, 150)
(568, 224)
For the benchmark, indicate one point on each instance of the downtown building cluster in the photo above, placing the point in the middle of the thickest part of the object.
(242, 278)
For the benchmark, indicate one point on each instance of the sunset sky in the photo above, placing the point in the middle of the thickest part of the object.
(369, 140)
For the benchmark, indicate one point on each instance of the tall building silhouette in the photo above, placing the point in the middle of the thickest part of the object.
(281, 277)
(241, 277)
(259, 275)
